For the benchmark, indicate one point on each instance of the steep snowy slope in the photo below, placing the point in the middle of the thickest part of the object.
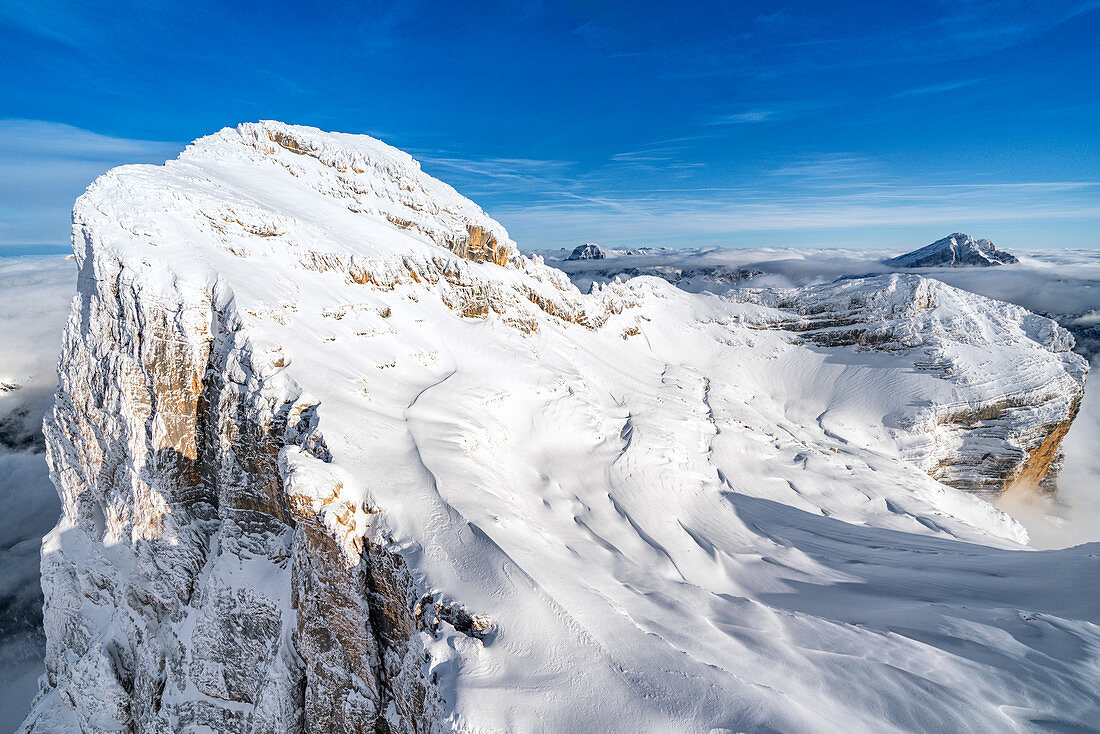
(334, 457)
(956, 251)
(1061, 284)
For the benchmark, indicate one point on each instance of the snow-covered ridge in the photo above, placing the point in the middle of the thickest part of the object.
(1015, 384)
(334, 457)
(372, 178)
(956, 250)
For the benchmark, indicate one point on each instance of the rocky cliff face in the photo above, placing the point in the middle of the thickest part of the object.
(334, 457)
(166, 445)
(587, 251)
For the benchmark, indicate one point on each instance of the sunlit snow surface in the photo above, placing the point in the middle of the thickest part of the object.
(700, 527)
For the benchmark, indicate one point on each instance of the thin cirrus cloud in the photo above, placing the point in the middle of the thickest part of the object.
(492, 175)
(981, 27)
(646, 155)
(666, 161)
(746, 118)
(44, 166)
(775, 111)
(550, 203)
(522, 182)
(952, 31)
(830, 170)
(57, 21)
(940, 88)
(753, 216)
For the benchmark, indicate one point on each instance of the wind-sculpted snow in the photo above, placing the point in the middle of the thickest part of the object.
(334, 457)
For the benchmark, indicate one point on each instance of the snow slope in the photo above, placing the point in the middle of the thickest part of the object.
(332, 453)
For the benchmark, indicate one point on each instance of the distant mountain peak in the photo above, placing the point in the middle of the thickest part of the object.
(956, 250)
(587, 251)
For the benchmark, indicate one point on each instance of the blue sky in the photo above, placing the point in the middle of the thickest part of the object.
(737, 124)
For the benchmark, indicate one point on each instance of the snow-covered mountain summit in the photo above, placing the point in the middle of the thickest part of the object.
(587, 251)
(334, 457)
(956, 251)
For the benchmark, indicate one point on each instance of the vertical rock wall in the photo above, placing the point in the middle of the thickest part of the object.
(204, 572)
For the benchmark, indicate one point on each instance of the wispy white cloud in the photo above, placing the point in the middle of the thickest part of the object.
(56, 20)
(746, 117)
(647, 155)
(773, 111)
(779, 18)
(502, 181)
(940, 88)
(81, 25)
(936, 32)
(802, 216)
(649, 196)
(526, 175)
(666, 161)
(830, 168)
(979, 27)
